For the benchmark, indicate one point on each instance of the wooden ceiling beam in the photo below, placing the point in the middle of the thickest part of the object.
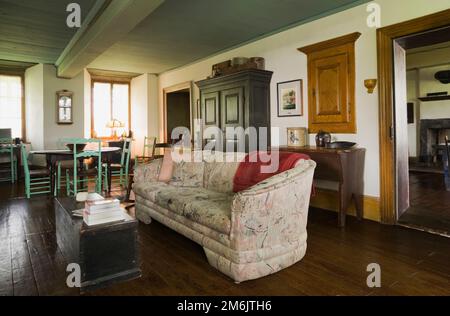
(108, 22)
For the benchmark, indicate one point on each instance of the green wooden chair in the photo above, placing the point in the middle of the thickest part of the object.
(121, 169)
(61, 168)
(8, 160)
(148, 152)
(36, 181)
(79, 175)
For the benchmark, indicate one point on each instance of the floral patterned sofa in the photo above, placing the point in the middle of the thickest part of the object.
(245, 235)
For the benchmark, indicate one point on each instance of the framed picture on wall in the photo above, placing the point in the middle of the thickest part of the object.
(290, 98)
(64, 102)
(296, 136)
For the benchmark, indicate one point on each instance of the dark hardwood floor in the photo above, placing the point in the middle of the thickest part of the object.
(429, 203)
(412, 262)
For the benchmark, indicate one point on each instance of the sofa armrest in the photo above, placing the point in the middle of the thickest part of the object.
(147, 172)
(273, 212)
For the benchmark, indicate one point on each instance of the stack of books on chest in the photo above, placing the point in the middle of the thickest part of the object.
(103, 211)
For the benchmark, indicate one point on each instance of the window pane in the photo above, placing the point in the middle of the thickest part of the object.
(11, 104)
(102, 108)
(120, 105)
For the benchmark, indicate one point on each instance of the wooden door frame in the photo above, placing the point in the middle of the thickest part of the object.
(178, 87)
(385, 38)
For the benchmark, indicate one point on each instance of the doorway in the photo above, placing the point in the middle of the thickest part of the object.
(403, 193)
(177, 110)
(428, 123)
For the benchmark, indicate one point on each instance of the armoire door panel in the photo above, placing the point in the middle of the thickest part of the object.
(210, 109)
(330, 93)
(232, 107)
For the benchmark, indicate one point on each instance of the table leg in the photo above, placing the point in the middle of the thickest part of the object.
(109, 175)
(359, 205)
(446, 171)
(130, 184)
(344, 200)
(19, 163)
(51, 166)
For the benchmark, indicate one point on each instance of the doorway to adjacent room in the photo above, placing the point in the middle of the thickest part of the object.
(177, 110)
(412, 96)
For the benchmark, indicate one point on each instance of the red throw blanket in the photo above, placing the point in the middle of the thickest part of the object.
(249, 170)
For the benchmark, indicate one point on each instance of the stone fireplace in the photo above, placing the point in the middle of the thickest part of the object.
(432, 132)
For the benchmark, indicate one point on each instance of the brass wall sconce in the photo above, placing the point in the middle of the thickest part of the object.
(370, 84)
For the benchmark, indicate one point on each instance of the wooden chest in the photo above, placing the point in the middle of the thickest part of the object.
(106, 253)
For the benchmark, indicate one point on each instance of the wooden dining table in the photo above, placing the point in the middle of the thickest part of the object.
(52, 156)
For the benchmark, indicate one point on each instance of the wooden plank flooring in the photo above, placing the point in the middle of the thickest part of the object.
(412, 262)
(429, 203)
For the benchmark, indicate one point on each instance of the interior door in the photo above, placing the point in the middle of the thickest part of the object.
(401, 130)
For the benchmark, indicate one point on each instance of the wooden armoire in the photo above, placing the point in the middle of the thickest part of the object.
(241, 99)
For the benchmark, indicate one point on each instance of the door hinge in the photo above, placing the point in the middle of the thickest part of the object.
(391, 132)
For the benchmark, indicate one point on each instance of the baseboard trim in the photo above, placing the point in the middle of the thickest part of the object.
(328, 200)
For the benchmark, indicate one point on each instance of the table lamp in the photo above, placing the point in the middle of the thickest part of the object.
(114, 124)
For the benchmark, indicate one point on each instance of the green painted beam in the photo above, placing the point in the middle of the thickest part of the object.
(109, 24)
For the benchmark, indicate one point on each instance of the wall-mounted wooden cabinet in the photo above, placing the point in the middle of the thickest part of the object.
(331, 85)
(240, 99)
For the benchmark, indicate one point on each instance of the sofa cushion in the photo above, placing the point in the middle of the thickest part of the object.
(206, 207)
(166, 171)
(219, 171)
(149, 190)
(187, 174)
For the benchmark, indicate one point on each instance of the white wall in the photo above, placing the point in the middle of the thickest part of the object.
(144, 109)
(153, 107)
(87, 103)
(52, 131)
(41, 85)
(34, 108)
(139, 109)
(282, 57)
(422, 59)
(430, 84)
(435, 110)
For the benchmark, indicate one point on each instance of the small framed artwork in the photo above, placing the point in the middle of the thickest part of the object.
(64, 100)
(296, 136)
(290, 98)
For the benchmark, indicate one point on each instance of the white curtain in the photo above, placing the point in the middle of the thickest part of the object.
(111, 101)
(11, 104)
